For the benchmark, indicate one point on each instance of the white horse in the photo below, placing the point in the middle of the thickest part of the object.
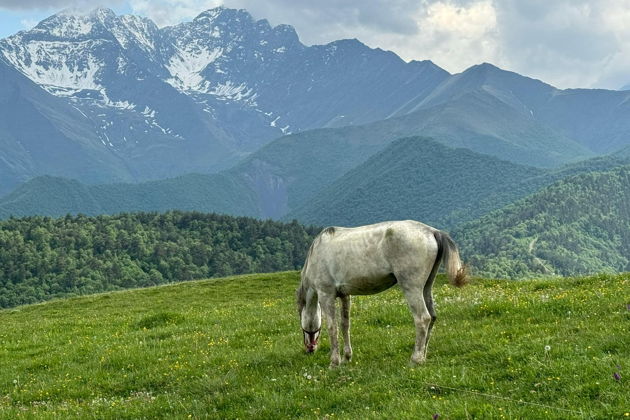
(367, 260)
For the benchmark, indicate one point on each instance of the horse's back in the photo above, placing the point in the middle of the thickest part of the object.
(357, 259)
(385, 237)
(396, 227)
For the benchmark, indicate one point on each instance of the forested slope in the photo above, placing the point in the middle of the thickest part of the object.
(41, 257)
(418, 178)
(578, 225)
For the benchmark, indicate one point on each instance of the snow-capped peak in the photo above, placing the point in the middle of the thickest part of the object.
(209, 15)
(222, 14)
(102, 13)
(65, 24)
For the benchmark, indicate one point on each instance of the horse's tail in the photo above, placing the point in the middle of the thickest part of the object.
(456, 271)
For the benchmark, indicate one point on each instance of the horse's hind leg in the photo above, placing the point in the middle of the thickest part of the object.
(327, 303)
(428, 300)
(345, 327)
(421, 317)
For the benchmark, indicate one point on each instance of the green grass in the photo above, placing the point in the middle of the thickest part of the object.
(231, 348)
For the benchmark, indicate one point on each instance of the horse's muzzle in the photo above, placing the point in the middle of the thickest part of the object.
(310, 340)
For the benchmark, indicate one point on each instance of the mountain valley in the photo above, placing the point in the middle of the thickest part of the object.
(103, 114)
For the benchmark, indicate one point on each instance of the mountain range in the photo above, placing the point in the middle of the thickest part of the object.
(410, 178)
(195, 97)
(104, 98)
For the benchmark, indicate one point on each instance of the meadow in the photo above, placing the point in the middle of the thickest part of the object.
(231, 348)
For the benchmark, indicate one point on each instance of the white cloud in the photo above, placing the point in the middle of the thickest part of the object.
(171, 12)
(565, 42)
(53, 4)
(454, 36)
(28, 23)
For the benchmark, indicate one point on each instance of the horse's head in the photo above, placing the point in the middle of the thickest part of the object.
(311, 322)
(310, 318)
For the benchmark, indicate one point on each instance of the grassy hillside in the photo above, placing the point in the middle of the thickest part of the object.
(231, 348)
(578, 225)
(53, 196)
(418, 178)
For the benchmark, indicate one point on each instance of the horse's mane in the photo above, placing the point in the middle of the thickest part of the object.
(300, 293)
(300, 297)
(329, 230)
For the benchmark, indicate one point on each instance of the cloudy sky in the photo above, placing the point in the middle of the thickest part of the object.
(568, 43)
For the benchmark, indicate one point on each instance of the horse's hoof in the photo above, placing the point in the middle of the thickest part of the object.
(347, 358)
(415, 361)
(334, 363)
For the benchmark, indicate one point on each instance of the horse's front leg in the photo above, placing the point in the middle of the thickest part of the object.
(345, 328)
(327, 303)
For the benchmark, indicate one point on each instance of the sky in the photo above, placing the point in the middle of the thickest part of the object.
(567, 43)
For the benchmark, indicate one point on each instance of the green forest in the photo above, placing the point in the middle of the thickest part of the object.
(43, 257)
(579, 225)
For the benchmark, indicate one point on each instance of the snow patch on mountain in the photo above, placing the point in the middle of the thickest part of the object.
(56, 64)
(231, 91)
(135, 30)
(186, 65)
(148, 112)
(117, 104)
